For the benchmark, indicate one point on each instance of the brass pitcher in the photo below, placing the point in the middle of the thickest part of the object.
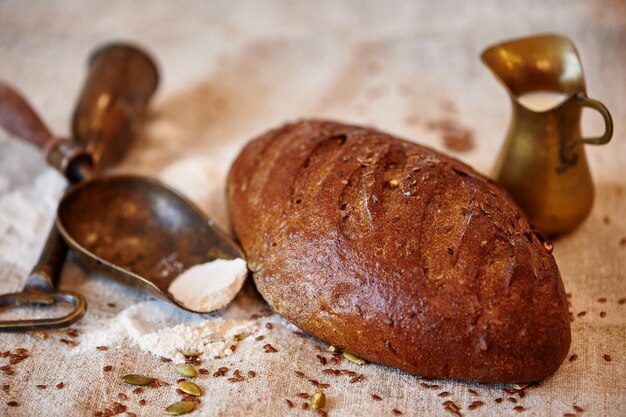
(541, 163)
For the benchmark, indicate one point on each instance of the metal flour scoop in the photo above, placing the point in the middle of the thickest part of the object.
(134, 229)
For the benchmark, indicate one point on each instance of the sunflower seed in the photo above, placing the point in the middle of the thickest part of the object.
(190, 388)
(134, 379)
(186, 370)
(182, 407)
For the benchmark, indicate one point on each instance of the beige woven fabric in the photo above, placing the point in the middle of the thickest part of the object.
(231, 70)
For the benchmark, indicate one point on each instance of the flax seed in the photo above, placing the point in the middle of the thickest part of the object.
(475, 405)
(68, 342)
(357, 378)
(269, 348)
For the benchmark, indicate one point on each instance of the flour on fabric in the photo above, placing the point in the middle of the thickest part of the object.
(165, 330)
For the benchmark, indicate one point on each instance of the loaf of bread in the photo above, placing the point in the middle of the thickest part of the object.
(398, 254)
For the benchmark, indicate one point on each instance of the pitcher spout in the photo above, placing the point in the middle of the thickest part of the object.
(546, 62)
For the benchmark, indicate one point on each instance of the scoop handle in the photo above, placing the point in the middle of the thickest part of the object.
(46, 273)
(18, 118)
(119, 84)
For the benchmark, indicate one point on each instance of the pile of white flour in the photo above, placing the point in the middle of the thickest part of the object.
(209, 286)
(165, 330)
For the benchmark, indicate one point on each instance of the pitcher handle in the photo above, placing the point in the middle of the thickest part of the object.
(566, 154)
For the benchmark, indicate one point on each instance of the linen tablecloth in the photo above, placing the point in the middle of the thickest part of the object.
(232, 69)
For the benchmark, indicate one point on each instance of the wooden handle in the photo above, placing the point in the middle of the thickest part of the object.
(18, 118)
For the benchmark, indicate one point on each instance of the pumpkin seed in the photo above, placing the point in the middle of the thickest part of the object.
(190, 388)
(318, 400)
(134, 379)
(332, 349)
(519, 386)
(186, 370)
(353, 358)
(182, 407)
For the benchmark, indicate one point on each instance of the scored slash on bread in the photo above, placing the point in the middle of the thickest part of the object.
(398, 254)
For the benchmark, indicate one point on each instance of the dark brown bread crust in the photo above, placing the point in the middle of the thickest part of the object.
(398, 254)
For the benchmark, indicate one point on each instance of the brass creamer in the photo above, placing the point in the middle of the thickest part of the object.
(542, 164)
